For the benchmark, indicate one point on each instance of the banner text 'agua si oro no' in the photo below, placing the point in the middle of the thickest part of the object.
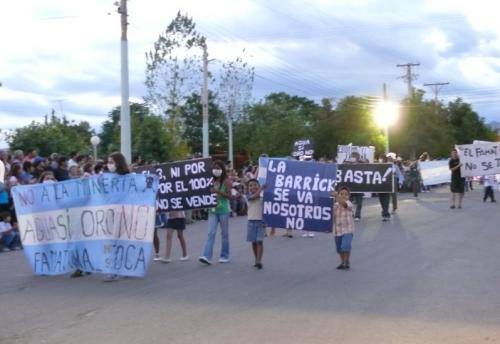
(98, 224)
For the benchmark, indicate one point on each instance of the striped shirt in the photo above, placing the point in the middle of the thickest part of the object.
(344, 223)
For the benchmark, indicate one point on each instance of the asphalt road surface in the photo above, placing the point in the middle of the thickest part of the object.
(431, 275)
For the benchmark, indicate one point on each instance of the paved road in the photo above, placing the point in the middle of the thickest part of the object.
(431, 275)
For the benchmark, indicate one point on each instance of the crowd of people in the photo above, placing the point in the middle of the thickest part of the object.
(238, 194)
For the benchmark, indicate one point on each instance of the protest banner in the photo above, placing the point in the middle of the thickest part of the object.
(262, 172)
(298, 195)
(303, 148)
(99, 224)
(435, 172)
(479, 159)
(183, 184)
(366, 153)
(366, 177)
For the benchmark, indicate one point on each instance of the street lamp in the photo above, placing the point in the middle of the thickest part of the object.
(385, 115)
(95, 140)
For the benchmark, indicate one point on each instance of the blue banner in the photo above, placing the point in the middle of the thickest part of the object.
(298, 195)
(101, 224)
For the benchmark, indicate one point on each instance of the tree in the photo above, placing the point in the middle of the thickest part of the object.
(466, 125)
(350, 122)
(150, 138)
(192, 117)
(422, 127)
(173, 67)
(55, 135)
(273, 125)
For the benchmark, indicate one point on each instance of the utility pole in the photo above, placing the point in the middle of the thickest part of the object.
(125, 142)
(409, 76)
(386, 128)
(436, 87)
(204, 101)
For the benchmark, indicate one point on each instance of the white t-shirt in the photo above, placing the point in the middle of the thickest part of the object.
(5, 227)
(254, 209)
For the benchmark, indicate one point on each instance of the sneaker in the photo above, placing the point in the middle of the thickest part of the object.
(224, 260)
(385, 219)
(347, 266)
(310, 235)
(165, 260)
(205, 260)
(259, 266)
(357, 219)
(111, 278)
(452, 207)
(156, 257)
(341, 267)
(305, 235)
(183, 259)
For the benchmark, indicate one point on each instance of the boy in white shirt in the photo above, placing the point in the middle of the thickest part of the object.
(256, 228)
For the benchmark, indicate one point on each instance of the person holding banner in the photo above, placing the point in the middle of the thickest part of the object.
(357, 198)
(344, 226)
(457, 182)
(116, 164)
(219, 215)
(176, 222)
(256, 228)
(384, 198)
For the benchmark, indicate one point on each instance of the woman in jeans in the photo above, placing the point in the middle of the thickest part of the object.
(218, 215)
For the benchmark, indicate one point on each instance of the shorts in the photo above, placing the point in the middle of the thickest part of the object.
(177, 224)
(161, 220)
(255, 230)
(343, 243)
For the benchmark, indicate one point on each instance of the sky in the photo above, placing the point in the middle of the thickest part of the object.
(65, 55)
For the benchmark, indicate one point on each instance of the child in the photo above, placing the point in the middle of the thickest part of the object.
(9, 237)
(489, 183)
(255, 228)
(344, 226)
(176, 221)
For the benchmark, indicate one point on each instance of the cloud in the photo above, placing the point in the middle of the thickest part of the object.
(316, 48)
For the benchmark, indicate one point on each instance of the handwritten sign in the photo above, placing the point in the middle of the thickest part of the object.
(302, 149)
(298, 195)
(366, 153)
(98, 224)
(479, 159)
(366, 177)
(183, 184)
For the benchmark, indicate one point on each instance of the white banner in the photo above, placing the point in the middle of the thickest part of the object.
(435, 172)
(366, 153)
(479, 159)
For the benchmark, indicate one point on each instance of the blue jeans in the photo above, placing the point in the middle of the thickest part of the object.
(213, 221)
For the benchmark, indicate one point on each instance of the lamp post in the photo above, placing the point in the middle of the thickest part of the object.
(386, 114)
(95, 140)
